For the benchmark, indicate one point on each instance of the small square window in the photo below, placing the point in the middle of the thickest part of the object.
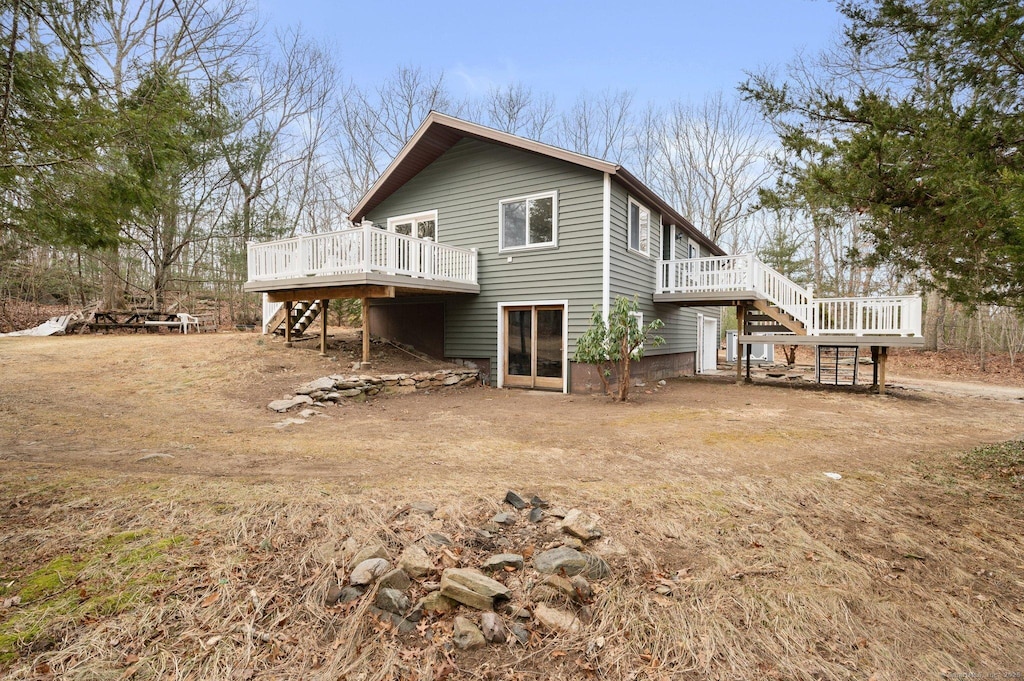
(529, 222)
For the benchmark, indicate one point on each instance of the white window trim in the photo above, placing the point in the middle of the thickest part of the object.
(553, 195)
(695, 246)
(670, 229)
(642, 207)
(414, 218)
(639, 317)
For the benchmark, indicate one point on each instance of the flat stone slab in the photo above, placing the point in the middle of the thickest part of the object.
(473, 588)
(581, 525)
(572, 562)
(555, 619)
(415, 561)
(282, 406)
(501, 561)
(325, 383)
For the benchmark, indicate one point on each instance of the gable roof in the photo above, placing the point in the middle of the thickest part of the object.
(439, 132)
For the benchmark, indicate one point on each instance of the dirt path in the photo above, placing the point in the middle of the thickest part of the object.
(959, 388)
(106, 402)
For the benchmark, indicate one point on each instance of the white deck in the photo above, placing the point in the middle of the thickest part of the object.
(305, 261)
(727, 280)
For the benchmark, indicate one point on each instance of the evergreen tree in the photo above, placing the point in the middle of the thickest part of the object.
(917, 125)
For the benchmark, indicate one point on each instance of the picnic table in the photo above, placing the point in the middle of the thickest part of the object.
(148, 320)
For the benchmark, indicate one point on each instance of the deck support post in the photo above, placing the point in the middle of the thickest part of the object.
(288, 323)
(874, 366)
(324, 306)
(741, 313)
(883, 354)
(749, 349)
(366, 333)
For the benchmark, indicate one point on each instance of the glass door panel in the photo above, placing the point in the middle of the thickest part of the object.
(426, 229)
(549, 347)
(519, 342)
(534, 347)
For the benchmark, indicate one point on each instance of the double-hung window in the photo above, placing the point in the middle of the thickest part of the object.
(639, 228)
(529, 221)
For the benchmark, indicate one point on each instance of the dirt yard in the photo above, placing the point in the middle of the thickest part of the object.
(156, 525)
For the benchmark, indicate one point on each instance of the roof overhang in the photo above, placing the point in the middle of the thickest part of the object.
(439, 132)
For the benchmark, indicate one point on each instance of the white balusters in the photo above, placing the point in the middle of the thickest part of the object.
(888, 315)
(363, 249)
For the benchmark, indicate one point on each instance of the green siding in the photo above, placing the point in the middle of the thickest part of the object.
(465, 185)
(633, 273)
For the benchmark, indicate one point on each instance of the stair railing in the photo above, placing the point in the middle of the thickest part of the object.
(784, 293)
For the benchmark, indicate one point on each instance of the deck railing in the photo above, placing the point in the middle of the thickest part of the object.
(362, 249)
(890, 315)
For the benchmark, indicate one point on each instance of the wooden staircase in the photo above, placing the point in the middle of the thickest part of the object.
(768, 318)
(303, 315)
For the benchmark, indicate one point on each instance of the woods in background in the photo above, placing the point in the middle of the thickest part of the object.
(144, 143)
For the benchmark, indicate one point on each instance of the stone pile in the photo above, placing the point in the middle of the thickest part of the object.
(337, 387)
(529, 570)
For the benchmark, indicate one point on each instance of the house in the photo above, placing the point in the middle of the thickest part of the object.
(483, 247)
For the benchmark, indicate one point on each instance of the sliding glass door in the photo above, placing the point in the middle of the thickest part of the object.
(534, 346)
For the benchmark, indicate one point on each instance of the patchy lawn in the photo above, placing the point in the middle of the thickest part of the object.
(209, 563)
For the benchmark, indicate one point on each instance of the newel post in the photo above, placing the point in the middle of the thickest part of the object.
(752, 272)
(812, 312)
(367, 237)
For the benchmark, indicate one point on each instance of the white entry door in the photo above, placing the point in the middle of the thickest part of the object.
(707, 344)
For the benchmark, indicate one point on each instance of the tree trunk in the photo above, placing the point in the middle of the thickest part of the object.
(624, 370)
(981, 339)
(113, 297)
(790, 352)
(931, 320)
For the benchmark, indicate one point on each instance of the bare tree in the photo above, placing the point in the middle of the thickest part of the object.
(599, 126)
(281, 114)
(714, 158)
(358, 143)
(404, 100)
(373, 125)
(517, 109)
(647, 140)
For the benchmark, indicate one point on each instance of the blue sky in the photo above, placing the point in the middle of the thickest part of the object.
(662, 51)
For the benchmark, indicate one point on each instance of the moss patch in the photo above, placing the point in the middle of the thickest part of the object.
(56, 575)
(13, 638)
(109, 580)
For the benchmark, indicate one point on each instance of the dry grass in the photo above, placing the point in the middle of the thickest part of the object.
(807, 579)
(207, 565)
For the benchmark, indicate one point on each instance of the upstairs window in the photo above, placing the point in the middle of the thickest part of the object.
(685, 246)
(639, 228)
(419, 225)
(529, 221)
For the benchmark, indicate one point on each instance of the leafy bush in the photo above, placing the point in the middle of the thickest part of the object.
(613, 345)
